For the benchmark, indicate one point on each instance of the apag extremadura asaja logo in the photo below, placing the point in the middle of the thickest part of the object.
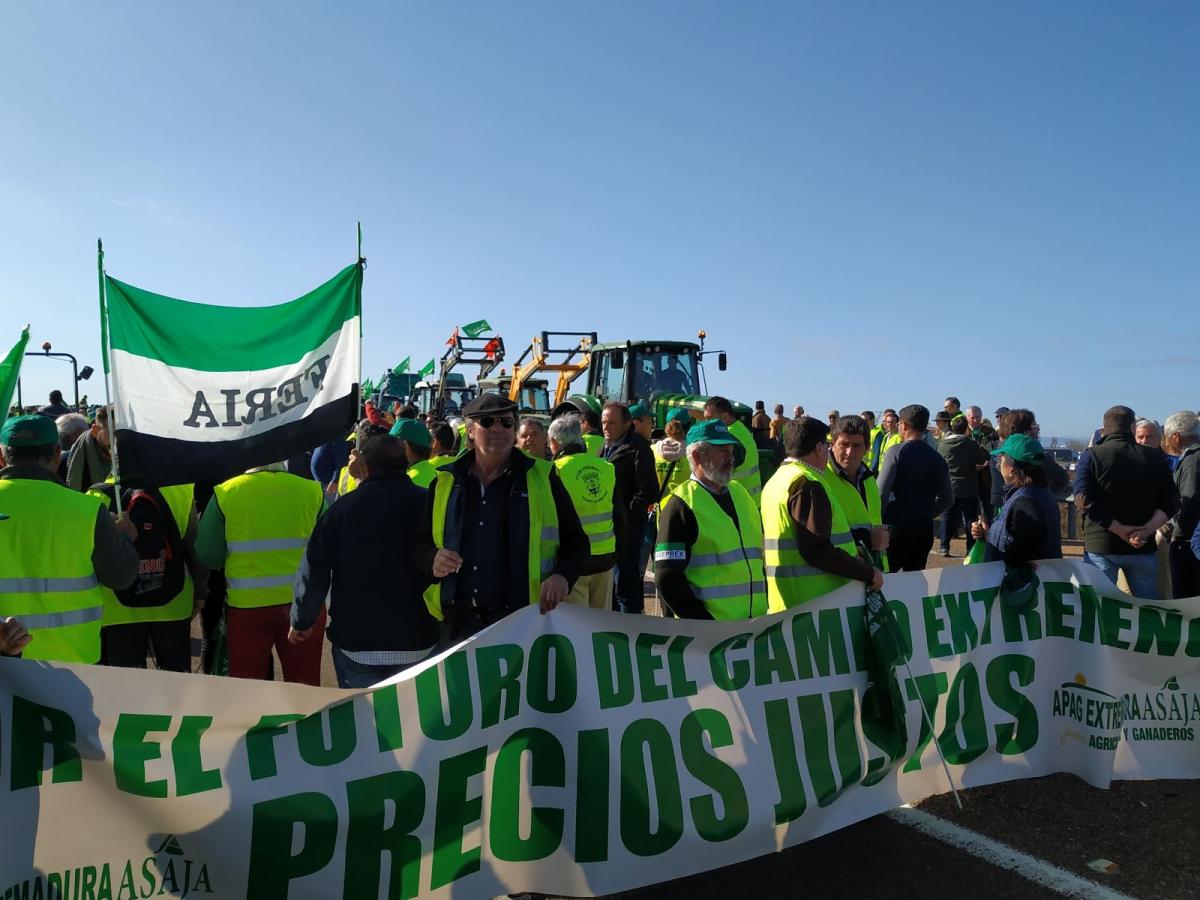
(1097, 714)
(167, 872)
(1168, 714)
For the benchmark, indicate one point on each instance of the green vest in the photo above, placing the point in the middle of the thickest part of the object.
(46, 575)
(543, 531)
(179, 498)
(422, 473)
(790, 579)
(591, 482)
(594, 443)
(747, 473)
(681, 472)
(726, 568)
(269, 517)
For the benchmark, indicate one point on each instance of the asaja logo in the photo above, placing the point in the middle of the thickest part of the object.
(1097, 715)
(1168, 714)
(167, 872)
(589, 477)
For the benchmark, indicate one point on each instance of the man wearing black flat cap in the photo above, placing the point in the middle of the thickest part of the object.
(498, 532)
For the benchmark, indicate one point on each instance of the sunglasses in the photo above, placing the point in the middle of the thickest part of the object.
(489, 421)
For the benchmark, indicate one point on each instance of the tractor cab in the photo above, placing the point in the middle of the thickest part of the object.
(533, 398)
(454, 391)
(642, 370)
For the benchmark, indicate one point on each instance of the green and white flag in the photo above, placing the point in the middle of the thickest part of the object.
(10, 371)
(201, 393)
(475, 329)
(402, 366)
(426, 370)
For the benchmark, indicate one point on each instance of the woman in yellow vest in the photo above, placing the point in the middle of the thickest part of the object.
(708, 557)
(809, 548)
(670, 455)
(58, 550)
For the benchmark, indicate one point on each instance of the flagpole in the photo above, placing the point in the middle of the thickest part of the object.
(362, 264)
(106, 350)
(876, 560)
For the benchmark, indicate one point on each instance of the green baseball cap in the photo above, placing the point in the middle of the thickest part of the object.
(714, 431)
(1021, 448)
(638, 411)
(29, 431)
(412, 431)
(680, 415)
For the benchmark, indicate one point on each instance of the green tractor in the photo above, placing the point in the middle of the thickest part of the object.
(662, 375)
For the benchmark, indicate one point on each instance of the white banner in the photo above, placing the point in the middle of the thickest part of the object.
(580, 752)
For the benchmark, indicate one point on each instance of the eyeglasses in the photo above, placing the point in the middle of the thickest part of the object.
(489, 421)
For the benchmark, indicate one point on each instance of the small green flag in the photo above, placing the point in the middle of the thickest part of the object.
(368, 387)
(401, 367)
(10, 370)
(475, 329)
(426, 370)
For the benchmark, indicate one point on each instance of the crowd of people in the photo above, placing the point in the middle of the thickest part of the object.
(410, 535)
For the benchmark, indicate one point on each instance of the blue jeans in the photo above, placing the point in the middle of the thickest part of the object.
(351, 674)
(1141, 571)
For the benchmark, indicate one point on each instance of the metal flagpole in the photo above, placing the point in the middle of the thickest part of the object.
(876, 560)
(106, 350)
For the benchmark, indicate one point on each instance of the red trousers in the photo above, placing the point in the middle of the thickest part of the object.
(252, 633)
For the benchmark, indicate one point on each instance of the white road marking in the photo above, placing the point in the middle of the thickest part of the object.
(1030, 867)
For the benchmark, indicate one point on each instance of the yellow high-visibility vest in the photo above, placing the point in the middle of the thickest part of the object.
(726, 568)
(269, 517)
(747, 474)
(543, 532)
(790, 579)
(47, 580)
(179, 498)
(590, 483)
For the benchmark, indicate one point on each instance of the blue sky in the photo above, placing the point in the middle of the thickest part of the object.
(866, 204)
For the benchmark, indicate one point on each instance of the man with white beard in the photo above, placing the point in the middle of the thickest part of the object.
(708, 558)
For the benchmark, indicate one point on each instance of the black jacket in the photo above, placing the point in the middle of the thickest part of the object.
(1120, 480)
(963, 456)
(1187, 481)
(637, 480)
(573, 546)
(358, 547)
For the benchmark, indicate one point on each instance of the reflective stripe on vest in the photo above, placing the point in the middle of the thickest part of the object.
(790, 578)
(269, 517)
(726, 566)
(49, 583)
(543, 532)
(590, 482)
(747, 474)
